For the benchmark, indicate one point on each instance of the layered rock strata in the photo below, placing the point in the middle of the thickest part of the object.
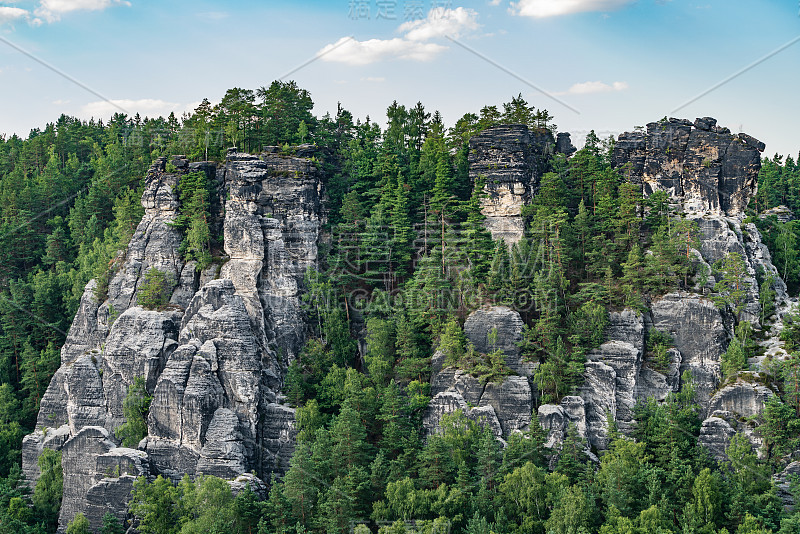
(511, 159)
(213, 360)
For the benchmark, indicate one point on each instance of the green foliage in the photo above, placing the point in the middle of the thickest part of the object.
(408, 239)
(453, 343)
(780, 429)
(560, 373)
(111, 524)
(79, 525)
(134, 408)
(194, 192)
(49, 488)
(154, 293)
(731, 288)
(460, 353)
(155, 506)
(657, 346)
(734, 359)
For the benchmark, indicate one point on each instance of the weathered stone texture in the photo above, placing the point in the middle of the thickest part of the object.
(213, 360)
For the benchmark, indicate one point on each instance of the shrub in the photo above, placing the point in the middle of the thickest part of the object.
(658, 345)
(154, 293)
(79, 525)
(134, 407)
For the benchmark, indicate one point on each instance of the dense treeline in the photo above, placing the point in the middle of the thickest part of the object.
(779, 185)
(409, 259)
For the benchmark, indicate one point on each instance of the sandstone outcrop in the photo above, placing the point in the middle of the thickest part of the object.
(213, 360)
(705, 167)
(511, 159)
(506, 406)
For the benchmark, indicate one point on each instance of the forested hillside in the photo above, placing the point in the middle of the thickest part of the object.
(406, 258)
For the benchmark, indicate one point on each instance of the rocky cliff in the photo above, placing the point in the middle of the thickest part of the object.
(213, 360)
(511, 159)
(702, 165)
(710, 175)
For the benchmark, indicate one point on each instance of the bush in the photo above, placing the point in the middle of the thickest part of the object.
(134, 407)
(195, 212)
(658, 345)
(49, 487)
(155, 291)
(79, 525)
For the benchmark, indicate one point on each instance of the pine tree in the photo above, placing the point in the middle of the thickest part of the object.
(49, 488)
(477, 239)
(731, 288)
(402, 234)
(633, 278)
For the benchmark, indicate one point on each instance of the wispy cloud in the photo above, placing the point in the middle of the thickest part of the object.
(554, 8)
(12, 14)
(441, 22)
(103, 109)
(414, 44)
(586, 88)
(52, 10)
(374, 79)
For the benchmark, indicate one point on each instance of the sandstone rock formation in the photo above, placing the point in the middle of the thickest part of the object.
(711, 175)
(704, 166)
(507, 406)
(511, 159)
(213, 360)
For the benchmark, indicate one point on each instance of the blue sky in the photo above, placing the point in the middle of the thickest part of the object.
(607, 65)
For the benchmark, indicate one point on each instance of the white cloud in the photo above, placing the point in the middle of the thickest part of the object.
(374, 79)
(413, 45)
(59, 102)
(554, 8)
(10, 14)
(495, 2)
(103, 109)
(355, 52)
(586, 88)
(440, 22)
(51, 10)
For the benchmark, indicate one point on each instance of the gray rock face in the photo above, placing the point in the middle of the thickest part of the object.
(658, 385)
(79, 463)
(699, 334)
(703, 166)
(213, 361)
(508, 324)
(612, 377)
(743, 398)
(448, 402)
(781, 213)
(783, 482)
(507, 406)
(557, 418)
(511, 159)
(154, 244)
(138, 345)
(86, 333)
(728, 408)
(715, 435)
(564, 144)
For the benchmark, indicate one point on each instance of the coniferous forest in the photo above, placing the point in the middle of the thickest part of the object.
(407, 259)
